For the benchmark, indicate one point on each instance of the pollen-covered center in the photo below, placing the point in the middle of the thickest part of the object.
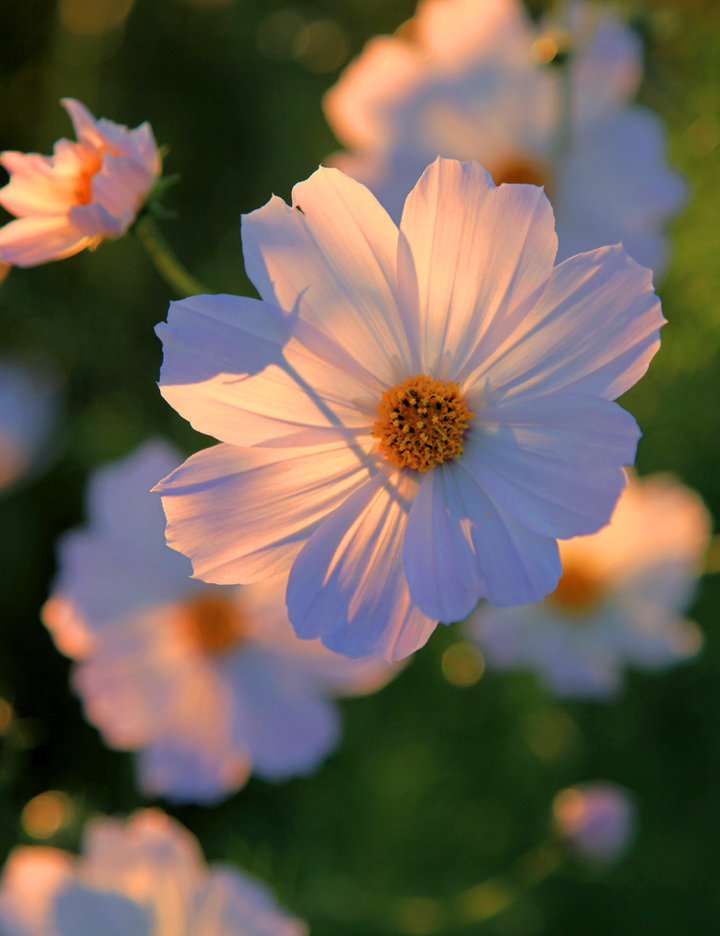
(213, 623)
(579, 589)
(421, 422)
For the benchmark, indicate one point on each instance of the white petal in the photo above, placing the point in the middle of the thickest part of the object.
(39, 239)
(289, 727)
(517, 565)
(243, 514)
(438, 555)
(233, 369)
(332, 257)
(553, 462)
(347, 586)
(84, 911)
(594, 330)
(470, 254)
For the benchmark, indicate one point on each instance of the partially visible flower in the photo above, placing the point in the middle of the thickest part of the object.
(467, 79)
(597, 819)
(86, 191)
(208, 683)
(411, 417)
(619, 601)
(144, 876)
(28, 409)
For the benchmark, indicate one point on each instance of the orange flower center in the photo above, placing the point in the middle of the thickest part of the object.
(421, 422)
(523, 169)
(83, 183)
(579, 589)
(213, 624)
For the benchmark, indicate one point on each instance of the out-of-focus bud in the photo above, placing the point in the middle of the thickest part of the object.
(86, 191)
(597, 819)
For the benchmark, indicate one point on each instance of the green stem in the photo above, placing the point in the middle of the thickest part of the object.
(165, 262)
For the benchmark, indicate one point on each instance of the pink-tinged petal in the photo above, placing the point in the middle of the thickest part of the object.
(438, 555)
(144, 144)
(228, 898)
(347, 585)
(31, 879)
(86, 911)
(38, 185)
(33, 240)
(606, 62)
(121, 185)
(84, 124)
(96, 222)
(243, 514)
(554, 462)
(615, 184)
(332, 257)
(593, 330)
(454, 30)
(470, 255)
(289, 726)
(232, 368)
(517, 565)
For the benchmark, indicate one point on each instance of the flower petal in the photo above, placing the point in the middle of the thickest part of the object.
(470, 254)
(37, 239)
(347, 585)
(594, 330)
(80, 910)
(553, 462)
(233, 369)
(517, 565)
(438, 556)
(289, 726)
(332, 256)
(243, 514)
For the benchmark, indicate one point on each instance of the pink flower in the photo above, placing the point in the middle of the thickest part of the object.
(84, 192)
(144, 876)
(410, 418)
(207, 683)
(620, 600)
(467, 79)
(596, 819)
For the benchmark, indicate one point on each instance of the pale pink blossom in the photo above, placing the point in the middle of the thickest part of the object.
(596, 819)
(207, 683)
(468, 79)
(143, 876)
(455, 332)
(86, 191)
(619, 603)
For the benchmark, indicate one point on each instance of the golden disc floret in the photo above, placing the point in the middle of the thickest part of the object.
(422, 422)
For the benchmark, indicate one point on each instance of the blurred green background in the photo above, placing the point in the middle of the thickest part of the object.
(437, 787)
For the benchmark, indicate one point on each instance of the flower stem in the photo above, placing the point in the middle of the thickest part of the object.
(165, 262)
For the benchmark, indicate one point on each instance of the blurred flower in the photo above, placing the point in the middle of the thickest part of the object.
(144, 876)
(597, 819)
(28, 409)
(84, 192)
(619, 600)
(410, 419)
(208, 683)
(470, 79)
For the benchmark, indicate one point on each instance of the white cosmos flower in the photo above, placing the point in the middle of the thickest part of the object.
(208, 684)
(500, 368)
(145, 876)
(467, 79)
(619, 602)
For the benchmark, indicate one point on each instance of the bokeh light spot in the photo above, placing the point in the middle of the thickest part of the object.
(94, 17)
(462, 664)
(321, 46)
(45, 814)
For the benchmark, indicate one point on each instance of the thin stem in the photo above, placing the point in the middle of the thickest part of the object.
(165, 262)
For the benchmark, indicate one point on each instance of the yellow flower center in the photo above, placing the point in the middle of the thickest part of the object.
(578, 590)
(521, 169)
(213, 624)
(421, 422)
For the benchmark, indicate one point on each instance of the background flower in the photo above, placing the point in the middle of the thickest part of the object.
(84, 192)
(144, 876)
(619, 601)
(512, 364)
(207, 683)
(596, 819)
(470, 79)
